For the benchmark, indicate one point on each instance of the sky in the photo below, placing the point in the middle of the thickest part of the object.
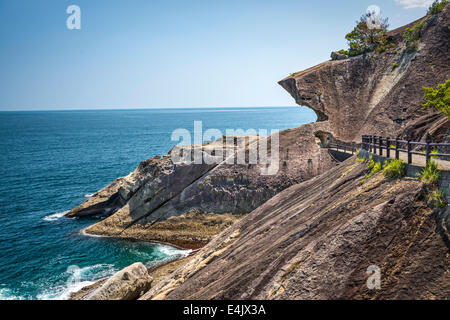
(170, 53)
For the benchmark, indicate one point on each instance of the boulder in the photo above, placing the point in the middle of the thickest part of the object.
(127, 284)
(338, 56)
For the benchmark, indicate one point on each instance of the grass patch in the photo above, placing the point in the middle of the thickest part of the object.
(375, 168)
(434, 151)
(436, 198)
(395, 169)
(430, 174)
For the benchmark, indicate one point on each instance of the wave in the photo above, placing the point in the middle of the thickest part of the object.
(55, 216)
(78, 279)
(7, 294)
(172, 251)
(89, 195)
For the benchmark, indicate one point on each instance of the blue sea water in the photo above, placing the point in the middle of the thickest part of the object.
(51, 161)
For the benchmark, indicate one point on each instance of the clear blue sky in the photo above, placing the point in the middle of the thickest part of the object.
(170, 53)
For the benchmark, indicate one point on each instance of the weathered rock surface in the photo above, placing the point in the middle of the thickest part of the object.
(338, 56)
(317, 239)
(127, 284)
(186, 204)
(380, 94)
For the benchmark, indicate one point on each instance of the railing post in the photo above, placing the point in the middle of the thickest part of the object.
(381, 145)
(409, 152)
(397, 152)
(373, 144)
(388, 147)
(427, 148)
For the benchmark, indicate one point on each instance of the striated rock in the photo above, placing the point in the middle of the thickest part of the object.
(127, 284)
(380, 94)
(186, 204)
(317, 239)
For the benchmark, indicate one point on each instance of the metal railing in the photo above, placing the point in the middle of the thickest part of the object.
(376, 145)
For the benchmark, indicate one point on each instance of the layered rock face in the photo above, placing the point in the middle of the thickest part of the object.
(186, 204)
(380, 94)
(318, 239)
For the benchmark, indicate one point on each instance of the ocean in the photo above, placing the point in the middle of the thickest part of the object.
(51, 161)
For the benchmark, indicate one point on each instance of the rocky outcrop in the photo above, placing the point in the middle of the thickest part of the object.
(127, 284)
(338, 56)
(318, 239)
(186, 204)
(380, 94)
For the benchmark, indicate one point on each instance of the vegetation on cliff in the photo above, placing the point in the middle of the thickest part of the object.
(437, 6)
(395, 169)
(412, 35)
(439, 98)
(365, 38)
(430, 177)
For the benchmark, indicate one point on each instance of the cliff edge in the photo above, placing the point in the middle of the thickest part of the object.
(380, 93)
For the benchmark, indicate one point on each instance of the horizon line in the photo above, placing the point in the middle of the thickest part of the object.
(142, 108)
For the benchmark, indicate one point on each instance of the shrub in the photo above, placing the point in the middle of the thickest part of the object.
(375, 166)
(439, 98)
(395, 169)
(342, 51)
(394, 65)
(430, 174)
(437, 198)
(437, 7)
(364, 39)
(412, 36)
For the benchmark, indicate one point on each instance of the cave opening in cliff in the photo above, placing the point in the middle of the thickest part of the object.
(323, 138)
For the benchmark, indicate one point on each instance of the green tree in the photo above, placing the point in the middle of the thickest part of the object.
(364, 38)
(439, 98)
(437, 6)
(412, 36)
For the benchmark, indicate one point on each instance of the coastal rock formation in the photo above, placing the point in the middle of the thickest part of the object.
(324, 227)
(318, 239)
(380, 93)
(186, 204)
(127, 284)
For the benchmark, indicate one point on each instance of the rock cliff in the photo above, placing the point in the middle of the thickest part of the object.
(186, 204)
(314, 229)
(317, 239)
(380, 94)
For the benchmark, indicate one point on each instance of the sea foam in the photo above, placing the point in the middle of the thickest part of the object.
(55, 216)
